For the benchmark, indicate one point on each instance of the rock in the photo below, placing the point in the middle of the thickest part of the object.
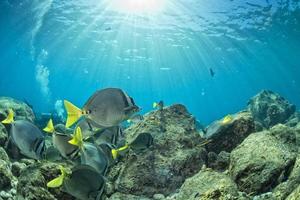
(5, 175)
(208, 184)
(159, 197)
(287, 187)
(218, 162)
(293, 120)
(120, 196)
(33, 180)
(3, 135)
(269, 108)
(295, 195)
(177, 153)
(3, 155)
(17, 167)
(21, 110)
(227, 137)
(263, 160)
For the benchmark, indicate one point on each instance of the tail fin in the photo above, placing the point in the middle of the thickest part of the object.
(49, 128)
(227, 119)
(154, 105)
(114, 152)
(74, 113)
(10, 117)
(77, 138)
(57, 182)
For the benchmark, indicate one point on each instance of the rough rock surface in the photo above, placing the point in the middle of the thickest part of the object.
(227, 137)
(208, 184)
(295, 195)
(21, 110)
(3, 135)
(263, 160)
(177, 153)
(270, 108)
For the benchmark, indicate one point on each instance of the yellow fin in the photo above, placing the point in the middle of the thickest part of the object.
(114, 152)
(10, 117)
(57, 182)
(50, 127)
(154, 105)
(227, 119)
(73, 112)
(77, 138)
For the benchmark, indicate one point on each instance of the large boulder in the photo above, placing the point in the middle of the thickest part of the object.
(177, 153)
(264, 160)
(209, 185)
(21, 109)
(33, 179)
(270, 108)
(225, 137)
(295, 195)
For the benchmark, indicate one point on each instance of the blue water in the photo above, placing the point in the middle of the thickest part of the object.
(56, 49)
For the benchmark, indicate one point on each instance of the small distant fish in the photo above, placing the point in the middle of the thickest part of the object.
(90, 154)
(84, 182)
(61, 142)
(107, 108)
(227, 119)
(159, 105)
(141, 142)
(135, 119)
(165, 68)
(26, 136)
(212, 73)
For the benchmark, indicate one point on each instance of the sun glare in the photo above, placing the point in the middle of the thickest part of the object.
(137, 6)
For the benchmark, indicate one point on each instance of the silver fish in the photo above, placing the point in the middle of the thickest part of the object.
(95, 157)
(61, 143)
(109, 107)
(109, 135)
(85, 183)
(88, 127)
(28, 138)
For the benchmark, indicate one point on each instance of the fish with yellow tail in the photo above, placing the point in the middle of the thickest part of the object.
(227, 119)
(90, 154)
(141, 142)
(106, 108)
(158, 105)
(84, 182)
(26, 136)
(61, 142)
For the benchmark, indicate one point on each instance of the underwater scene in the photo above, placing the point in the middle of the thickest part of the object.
(150, 100)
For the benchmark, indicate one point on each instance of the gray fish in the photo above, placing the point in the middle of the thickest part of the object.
(51, 154)
(61, 140)
(95, 157)
(88, 127)
(28, 138)
(141, 142)
(107, 108)
(109, 135)
(106, 148)
(85, 183)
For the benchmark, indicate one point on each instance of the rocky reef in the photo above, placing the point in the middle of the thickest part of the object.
(254, 155)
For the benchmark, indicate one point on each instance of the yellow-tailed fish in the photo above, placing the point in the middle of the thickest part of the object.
(107, 108)
(77, 139)
(57, 182)
(227, 119)
(10, 117)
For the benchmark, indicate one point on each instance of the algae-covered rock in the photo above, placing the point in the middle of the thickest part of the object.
(295, 195)
(225, 137)
(287, 187)
(208, 184)
(270, 108)
(33, 180)
(3, 155)
(3, 135)
(5, 175)
(219, 162)
(21, 110)
(177, 153)
(263, 160)
(120, 196)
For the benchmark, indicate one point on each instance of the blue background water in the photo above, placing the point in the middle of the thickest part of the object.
(59, 49)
